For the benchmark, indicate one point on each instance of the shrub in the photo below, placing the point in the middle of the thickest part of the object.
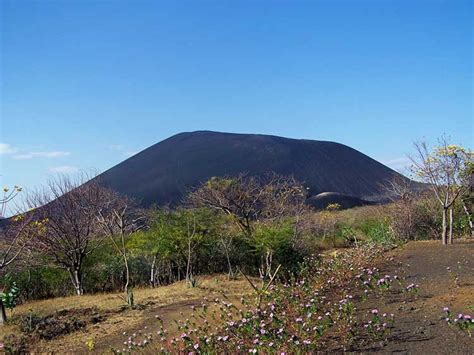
(10, 298)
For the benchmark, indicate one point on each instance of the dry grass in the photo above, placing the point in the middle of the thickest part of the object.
(168, 301)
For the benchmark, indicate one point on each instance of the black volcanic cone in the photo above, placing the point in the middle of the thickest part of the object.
(166, 171)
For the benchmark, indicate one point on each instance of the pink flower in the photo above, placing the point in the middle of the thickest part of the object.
(374, 311)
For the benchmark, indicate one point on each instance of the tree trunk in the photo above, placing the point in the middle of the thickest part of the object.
(444, 227)
(450, 236)
(469, 217)
(127, 274)
(3, 314)
(268, 262)
(188, 265)
(231, 273)
(159, 269)
(170, 273)
(75, 274)
(152, 272)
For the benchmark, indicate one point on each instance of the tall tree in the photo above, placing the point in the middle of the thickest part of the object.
(467, 200)
(191, 228)
(119, 218)
(442, 168)
(68, 208)
(157, 243)
(14, 236)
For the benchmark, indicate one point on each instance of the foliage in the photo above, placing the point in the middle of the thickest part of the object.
(10, 297)
(447, 170)
(462, 321)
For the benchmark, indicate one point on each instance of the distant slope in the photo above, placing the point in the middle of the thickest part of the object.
(166, 171)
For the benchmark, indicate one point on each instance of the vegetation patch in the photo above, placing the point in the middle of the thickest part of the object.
(35, 327)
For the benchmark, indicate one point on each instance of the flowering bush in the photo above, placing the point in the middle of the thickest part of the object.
(292, 317)
(463, 321)
(379, 324)
(412, 288)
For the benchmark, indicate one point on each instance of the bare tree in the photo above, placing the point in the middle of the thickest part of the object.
(240, 197)
(442, 169)
(120, 218)
(226, 236)
(14, 236)
(404, 195)
(8, 195)
(400, 189)
(467, 200)
(248, 198)
(68, 209)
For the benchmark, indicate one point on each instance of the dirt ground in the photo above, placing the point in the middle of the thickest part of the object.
(420, 326)
(168, 302)
(445, 275)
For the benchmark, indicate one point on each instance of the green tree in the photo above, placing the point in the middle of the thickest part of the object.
(192, 229)
(157, 244)
(271, 239)
(443, 169)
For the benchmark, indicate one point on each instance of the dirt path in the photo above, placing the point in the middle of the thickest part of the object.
(420, 326)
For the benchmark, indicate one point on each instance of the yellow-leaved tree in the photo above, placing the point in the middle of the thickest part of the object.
(443, 169)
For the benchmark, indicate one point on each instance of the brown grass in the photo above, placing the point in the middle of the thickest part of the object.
(167, 301)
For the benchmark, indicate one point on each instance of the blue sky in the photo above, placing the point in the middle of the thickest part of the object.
(85, 84)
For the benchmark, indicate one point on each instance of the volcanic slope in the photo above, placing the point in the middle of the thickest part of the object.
(165, 172)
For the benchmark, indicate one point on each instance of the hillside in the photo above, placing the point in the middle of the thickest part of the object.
(166, 171)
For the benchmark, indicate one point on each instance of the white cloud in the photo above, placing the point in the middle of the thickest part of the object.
(6, 148)
(23, 156)
(65, 169)
(31, 155)
(50, 154)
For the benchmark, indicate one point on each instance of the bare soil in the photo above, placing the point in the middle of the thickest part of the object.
(445, 275)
